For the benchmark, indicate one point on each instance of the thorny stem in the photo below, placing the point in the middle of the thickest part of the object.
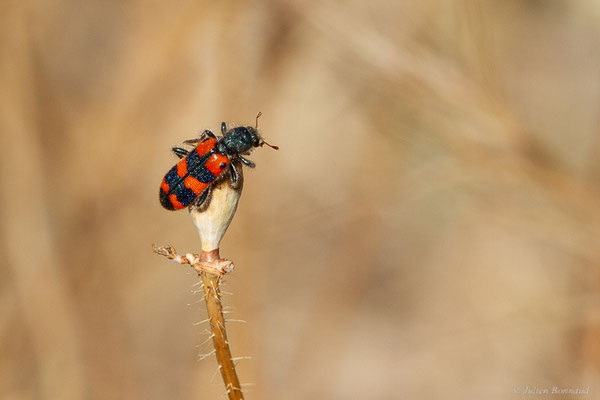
(211, 268)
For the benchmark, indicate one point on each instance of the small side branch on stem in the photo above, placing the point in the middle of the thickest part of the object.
(211, 269)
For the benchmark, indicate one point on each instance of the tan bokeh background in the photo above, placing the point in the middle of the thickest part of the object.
(429, 228)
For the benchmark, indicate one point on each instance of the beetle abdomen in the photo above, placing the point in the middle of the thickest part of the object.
(192, 175)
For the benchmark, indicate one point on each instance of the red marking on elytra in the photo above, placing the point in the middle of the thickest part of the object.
(194, 185)
(214, 163)
(176, 204)
(165, 186)
(182, 167)
(206, 146)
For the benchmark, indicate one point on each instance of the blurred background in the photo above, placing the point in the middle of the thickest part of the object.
(429, 228)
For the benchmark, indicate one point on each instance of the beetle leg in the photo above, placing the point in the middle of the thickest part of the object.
(201, 202)
(193, 141)
(208, 133)
(247, 162)
(203, 136)
(234, 174)
(235, 181)
(179, 152)
(223, 127)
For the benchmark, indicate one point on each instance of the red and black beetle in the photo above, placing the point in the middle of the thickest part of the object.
(190, 181)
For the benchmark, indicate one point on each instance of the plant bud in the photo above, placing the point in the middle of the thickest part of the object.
(213, 220)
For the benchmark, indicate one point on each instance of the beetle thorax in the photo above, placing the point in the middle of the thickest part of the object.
(240, 140)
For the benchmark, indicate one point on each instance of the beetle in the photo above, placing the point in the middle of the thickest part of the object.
(190, 181)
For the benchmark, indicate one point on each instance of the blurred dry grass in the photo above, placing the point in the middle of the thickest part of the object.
(428, 230)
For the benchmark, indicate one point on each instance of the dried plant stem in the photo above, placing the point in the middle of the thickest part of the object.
(219, 334)
(211, 268)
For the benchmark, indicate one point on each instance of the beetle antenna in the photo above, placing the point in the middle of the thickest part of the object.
(263, 140)
(257, 117)
(270, 145)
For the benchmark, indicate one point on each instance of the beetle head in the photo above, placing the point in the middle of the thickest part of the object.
(242, 139)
